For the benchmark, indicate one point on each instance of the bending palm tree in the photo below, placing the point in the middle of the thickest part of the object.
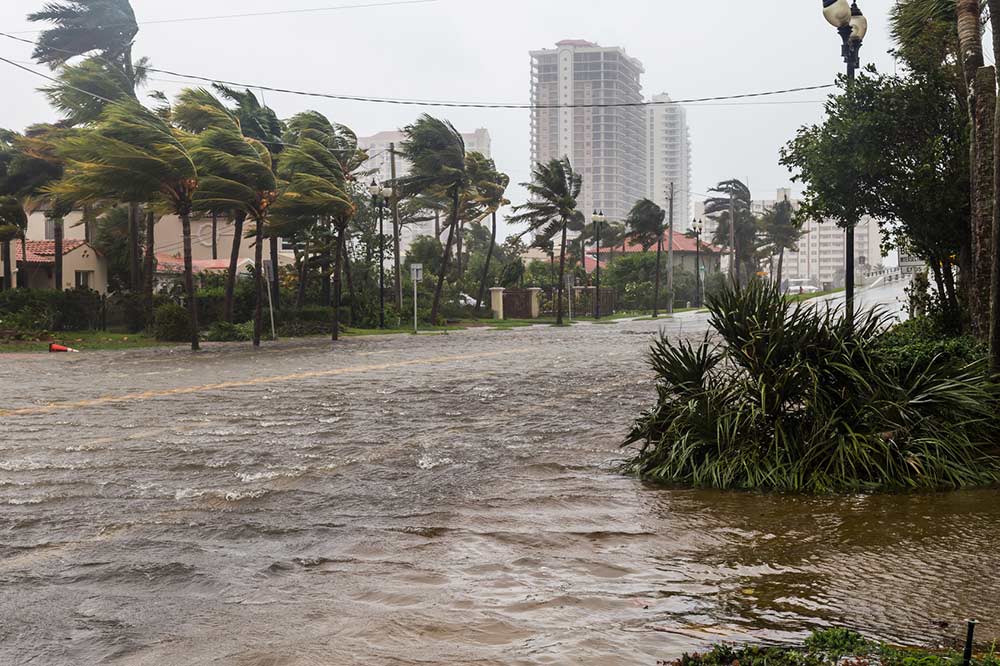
(318, 166)
(437, 153)
(645, 223)
(133, 155)
(491, 187)
(554, 188)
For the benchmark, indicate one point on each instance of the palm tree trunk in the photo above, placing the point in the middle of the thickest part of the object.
(486, 268)
(234, 258)
(781, 264)
(347, 274)
(22, 275)
(189, 279)
(326, 264)
(258, 283)
(57, 228)
(562, 279)
(656, 290)
(8, 270)
(149, 264)
(986, 109)
(396, 250)
(458, 252)
(300, 298)
(949, 285)
(134, 270)
(275, 286)
(995, 268)
(446, 259)
(336, 284)
(215, 234)
(971, 59)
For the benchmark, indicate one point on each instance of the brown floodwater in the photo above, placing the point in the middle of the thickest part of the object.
(433, 500)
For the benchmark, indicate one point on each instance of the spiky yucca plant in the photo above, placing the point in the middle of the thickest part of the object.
(795, 397)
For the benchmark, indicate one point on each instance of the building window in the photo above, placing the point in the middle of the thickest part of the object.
(50, 229)
(84, 279)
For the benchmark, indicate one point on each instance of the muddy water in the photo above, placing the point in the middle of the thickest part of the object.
(414, 501)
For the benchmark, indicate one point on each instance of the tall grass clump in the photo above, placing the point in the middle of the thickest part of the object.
(795, 397)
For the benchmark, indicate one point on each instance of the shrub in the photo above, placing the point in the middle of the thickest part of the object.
(172, 323)
(797, 398)
(222, 331)
(50, 310)
(922, 341)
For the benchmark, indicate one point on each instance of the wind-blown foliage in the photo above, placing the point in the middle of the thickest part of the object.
(131, 154)
(552, 211)
(646, 226)
(798, 398)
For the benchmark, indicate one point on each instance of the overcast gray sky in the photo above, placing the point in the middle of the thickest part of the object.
(476, 50)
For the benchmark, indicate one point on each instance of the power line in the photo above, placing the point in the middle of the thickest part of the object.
(454, 104)
(311, 10)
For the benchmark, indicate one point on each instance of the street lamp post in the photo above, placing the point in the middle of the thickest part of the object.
(598, 221)
(697, 228)
(379, 196)
(852, 26)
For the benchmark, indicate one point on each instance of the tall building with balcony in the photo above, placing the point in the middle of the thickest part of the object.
(670, 158)
(574, 90)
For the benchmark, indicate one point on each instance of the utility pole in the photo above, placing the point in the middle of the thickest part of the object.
(670, 256)
(396, 228)
(733, 269)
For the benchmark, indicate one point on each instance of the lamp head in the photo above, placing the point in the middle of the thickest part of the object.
(374, 188)
(837, 13)
(859, 24)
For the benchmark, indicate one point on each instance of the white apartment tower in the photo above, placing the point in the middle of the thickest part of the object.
(670, 158)
(607, 145)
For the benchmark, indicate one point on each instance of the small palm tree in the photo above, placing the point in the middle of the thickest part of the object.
(645, 224)
(133, 155)
(781, 232)
(436, 152)
(490, 186)
(741, 239)
(552, 212)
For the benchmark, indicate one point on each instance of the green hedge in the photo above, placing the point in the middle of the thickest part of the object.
(32, 310)
(172, 323)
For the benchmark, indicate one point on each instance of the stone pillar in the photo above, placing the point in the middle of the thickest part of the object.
(536, 302)
(496, 302)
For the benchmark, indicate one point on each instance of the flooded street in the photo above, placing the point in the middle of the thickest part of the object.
(431, 500)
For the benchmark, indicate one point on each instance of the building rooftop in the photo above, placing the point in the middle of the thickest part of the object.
(42, 252)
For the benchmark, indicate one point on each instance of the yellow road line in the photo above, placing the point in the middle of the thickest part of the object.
(184, 390)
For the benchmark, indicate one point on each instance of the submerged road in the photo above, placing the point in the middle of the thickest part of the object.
(425, 500)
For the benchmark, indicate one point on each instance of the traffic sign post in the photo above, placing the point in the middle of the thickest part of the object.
(416, 275)
(268, 268)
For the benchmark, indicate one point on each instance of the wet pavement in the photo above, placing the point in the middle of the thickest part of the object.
(425, 500)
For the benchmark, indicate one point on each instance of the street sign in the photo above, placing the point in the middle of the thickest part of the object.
(268, 270)
(416, 272)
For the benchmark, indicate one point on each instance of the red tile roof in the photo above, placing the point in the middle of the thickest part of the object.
(43, 252)
(166, 263)
(681, 244)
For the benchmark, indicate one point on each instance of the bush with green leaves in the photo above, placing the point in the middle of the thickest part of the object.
(923, 340)
(172, 323)
(223, 331)
(829, 647)
(36, 310)
(795, 397)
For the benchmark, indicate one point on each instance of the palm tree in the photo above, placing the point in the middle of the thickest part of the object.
(13, 222)
(133, 155)
(552, 211)
(994, 6)
(781, 232)
(741, 238)
(436, 151)
(490, 186)
(319, 165)
(105, 29)
(646, 226)
(237, 175)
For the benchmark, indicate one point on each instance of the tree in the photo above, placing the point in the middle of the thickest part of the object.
(646, 226)
(552, 212)
(132, 154)
(105, 29)
(489, 186)
(739, 236)
(13, 222)
(781, 232)
(911, 165)
(436, 151)
(994, 6)
(318, 166)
